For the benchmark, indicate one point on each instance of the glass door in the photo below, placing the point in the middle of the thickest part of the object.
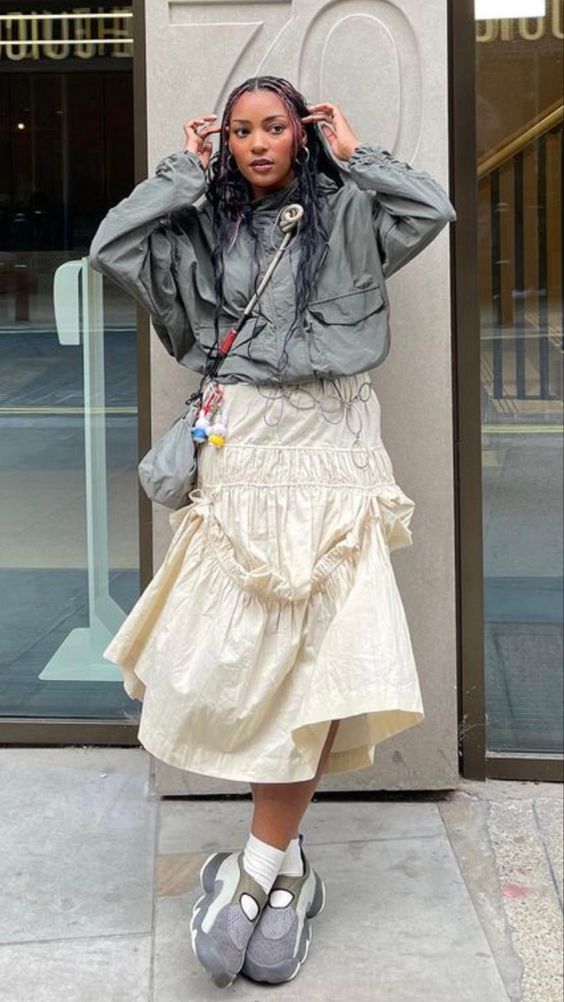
(69, 564)
(519, 119)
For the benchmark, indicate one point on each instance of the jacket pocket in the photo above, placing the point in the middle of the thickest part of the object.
(348, 309)
(347, 333)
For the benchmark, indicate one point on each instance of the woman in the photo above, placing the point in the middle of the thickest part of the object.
(272, 644)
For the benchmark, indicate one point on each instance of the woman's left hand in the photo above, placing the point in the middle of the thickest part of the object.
(336, 129)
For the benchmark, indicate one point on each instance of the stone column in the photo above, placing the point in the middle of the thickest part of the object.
(385, 63)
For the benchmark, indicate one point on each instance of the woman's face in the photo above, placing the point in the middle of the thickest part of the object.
(261, 139)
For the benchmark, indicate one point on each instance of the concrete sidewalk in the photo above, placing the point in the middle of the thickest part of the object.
(441, 897)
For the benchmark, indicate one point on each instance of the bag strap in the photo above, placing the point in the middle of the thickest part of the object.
(289, 219)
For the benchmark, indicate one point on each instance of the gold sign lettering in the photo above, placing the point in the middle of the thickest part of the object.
(82, 33)
(532, 34)
(56, 50)
(16, 38)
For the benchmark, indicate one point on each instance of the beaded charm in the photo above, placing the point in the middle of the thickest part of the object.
(210, 425)
(217, 433)
(200, 430)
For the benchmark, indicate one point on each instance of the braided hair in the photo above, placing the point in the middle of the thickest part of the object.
(231, 197)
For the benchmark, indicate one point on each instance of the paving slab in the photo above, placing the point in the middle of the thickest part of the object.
(398, 924)
(106, 969)
(450, 897)
(508, 840)
(78, 839)
(530, 898)
(550, 820)
(200, 826)
(466, 822)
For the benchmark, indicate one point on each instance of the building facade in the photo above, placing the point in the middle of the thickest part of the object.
(92, 96)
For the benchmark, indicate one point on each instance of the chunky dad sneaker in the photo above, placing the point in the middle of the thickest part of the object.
(280, 942)
(225, 917)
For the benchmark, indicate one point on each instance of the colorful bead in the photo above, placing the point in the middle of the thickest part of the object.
(199, 434)
(217, 440)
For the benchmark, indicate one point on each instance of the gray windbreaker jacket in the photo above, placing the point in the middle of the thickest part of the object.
(156, 245)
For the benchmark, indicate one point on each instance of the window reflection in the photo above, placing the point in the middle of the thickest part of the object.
(66, 156)
(519, 129)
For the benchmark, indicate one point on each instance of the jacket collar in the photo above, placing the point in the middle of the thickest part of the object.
(275, 199)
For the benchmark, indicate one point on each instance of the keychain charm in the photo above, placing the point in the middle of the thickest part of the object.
(210, 424)
(217, 433)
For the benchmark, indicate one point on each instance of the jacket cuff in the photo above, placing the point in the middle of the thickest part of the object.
(368, 156)
(183, 160)
(397, 177)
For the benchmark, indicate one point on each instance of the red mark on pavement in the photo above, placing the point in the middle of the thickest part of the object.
(515, 890)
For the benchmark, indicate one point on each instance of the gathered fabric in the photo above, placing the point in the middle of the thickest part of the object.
(276, 609)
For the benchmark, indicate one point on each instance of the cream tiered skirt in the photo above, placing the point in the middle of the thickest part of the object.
(276, 609)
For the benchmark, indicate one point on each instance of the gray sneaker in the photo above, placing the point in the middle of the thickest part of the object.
(225, 917)
(280, 943)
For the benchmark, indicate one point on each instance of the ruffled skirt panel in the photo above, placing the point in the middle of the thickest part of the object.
(276, 609)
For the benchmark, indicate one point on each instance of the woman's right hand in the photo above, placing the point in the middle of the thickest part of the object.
(197, 132)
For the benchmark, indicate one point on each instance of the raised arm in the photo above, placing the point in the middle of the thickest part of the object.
(133, 246)
(410, 207)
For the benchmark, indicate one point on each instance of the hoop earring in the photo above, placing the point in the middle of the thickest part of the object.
(305, 150)
(231, 165)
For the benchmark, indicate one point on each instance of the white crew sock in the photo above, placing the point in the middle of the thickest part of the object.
(292, 864)
(262, 861)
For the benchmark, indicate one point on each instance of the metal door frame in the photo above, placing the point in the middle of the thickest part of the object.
(476, 762)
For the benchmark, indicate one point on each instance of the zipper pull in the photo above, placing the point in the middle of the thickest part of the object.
(228, 341)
